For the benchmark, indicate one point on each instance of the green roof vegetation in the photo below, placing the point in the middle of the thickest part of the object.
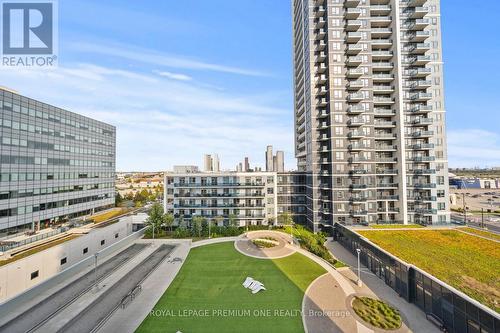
(466, 262)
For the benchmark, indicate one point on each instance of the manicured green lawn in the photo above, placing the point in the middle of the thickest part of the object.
(468, 263)
(210, 281)
(377, 313)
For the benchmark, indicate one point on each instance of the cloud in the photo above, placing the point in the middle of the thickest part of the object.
(174, 76)
(148, 56)
(161, 122)
(473, 148)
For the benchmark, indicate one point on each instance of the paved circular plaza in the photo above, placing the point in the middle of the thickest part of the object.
(283, 249)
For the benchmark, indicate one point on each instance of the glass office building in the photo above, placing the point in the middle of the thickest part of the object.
(54, 164)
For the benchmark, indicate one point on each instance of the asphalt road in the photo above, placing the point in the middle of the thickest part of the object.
(43, 311)
(476, 222)
(105, 304)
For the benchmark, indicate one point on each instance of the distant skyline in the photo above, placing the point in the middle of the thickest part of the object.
(217, 78)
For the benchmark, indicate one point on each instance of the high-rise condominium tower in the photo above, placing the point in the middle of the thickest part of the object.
(269, 159)
(369, 110)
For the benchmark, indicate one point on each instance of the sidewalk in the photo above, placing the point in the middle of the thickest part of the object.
(372, 285)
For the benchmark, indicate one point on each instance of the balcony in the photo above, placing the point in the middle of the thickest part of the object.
(351, 3)
(358, 199)
(319, 11)
(380, 9)
(321, 91)
(355, 109)
(352, 13)
(319, 45)
(419, 48)
(323, 114)
(321, 102)
(358, 172)
(384, 124)
(421, 97)
(387, 185)
(416, 12)
(382, 65)
(355, 85)
(424, 211)
(383, 89)
(384, 112)
(323, 137)
(418, 24)
(320, 56)
(421, 109)
(386, 171)
(383, 77)
(388, 197)
(353, 37)
(381, 32)
(355, 97)
(356, 213)
(358, 186)
(420, 84)
(422, 134)
(421, 158)
(353, 25)
(382, 55)
(386, 147)
(356, 122)
(354, 73)
(353, 49)
(383, 100)
(422, 121)
(320, 79)
(422, 198)
(385, 136)
(321, 68)
(381, 43)
(422, 171)
(320, 33)
(419, 72)
(421, 146)
(357, 147)
(423, 185)
(354, 61)
(382, 159)
(419, 36)
(356, 134)
(380, 21)
(420, 60)
(319, 22)
(323, 125)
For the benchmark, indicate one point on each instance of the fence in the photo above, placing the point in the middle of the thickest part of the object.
(458, 312)
(30, 240)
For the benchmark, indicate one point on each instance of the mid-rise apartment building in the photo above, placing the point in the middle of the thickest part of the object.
(55, 164)
(253, 198)
(369, 110)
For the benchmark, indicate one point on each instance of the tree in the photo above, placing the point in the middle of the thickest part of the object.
(118, 199)
(197, 225)
(271, 221)
(169, 220)
(233, 222)
(155, 219)
(286, 219)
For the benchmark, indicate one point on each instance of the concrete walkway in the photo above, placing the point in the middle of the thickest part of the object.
(245, 246)
(376, 288)
(129, 318)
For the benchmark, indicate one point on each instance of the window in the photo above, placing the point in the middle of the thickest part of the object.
(64, 260)
(102, 242)
(85, 250)
(34, 275)
(116, 235)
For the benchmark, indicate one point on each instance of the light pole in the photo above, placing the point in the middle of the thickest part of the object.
(465, 208)
(359, 269)
(95, 270)
(208, 228)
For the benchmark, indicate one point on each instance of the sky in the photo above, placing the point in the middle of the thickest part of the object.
(180, 79)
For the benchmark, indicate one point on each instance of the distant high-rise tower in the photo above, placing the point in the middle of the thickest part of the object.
(280, 161)
(207, 163)
(269, 158)
(215, 163)
(246, 165)
(369, 110)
